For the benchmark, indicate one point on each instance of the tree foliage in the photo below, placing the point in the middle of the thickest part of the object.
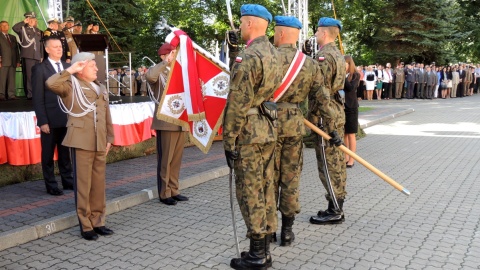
(444, 31)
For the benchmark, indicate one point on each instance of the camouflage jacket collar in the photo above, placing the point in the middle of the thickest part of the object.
(260, 39)
(328, 45)
(288, 46)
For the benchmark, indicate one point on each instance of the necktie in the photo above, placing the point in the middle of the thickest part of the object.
(8, 38)
(59, 69)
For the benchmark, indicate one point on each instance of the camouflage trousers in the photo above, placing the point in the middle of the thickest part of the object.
(255, 190)
(288, 167)
(336, 166)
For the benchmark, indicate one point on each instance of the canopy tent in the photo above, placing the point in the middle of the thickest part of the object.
(12, 11)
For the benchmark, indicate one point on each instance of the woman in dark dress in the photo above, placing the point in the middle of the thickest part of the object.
(351, 108)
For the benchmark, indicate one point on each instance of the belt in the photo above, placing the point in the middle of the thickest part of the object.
(253, 111)
(287, 105)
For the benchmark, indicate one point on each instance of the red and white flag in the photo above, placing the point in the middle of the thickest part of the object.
(196, 91)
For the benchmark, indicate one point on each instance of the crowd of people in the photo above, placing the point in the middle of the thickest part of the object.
(120, 79)
(417, 80)
(28, 48)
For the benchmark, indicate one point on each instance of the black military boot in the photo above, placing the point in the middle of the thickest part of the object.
(329, 216)
(255, 259)
(287, 236)
(268, 256)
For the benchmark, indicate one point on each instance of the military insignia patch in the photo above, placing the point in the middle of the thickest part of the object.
(201, 128)
(238, 59)
(175, 104)
(321, 58)
(220, 85)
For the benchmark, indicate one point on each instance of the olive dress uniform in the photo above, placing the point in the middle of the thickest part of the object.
(170, 138)
(399, 81)
(88, 136)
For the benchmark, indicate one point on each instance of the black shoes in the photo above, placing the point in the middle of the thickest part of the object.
(103, 230)
(55, 191)
(255, 259)
(329, 216)
(90, 235)
(169, 201)
(180, 198)
(67, 187)
(287, 236)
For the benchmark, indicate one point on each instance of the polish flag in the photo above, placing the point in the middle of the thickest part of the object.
(132, 122)
(19, 138)
(196, 91)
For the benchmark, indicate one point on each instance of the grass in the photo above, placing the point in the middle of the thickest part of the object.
(364, 109)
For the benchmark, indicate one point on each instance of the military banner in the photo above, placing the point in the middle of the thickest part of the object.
(196, 91)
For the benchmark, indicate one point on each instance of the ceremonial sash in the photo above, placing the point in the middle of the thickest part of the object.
(291, 74)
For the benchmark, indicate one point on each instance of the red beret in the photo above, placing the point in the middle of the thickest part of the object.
(166, 48)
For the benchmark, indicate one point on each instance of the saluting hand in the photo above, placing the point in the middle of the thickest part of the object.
(78, 66)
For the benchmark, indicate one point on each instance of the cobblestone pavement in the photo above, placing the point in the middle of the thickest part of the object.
(433, 152)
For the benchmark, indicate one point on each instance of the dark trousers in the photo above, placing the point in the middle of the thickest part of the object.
(429, 91)
(460, 89)
(421, 90)
(27, 75)
(7, 82)
(410, 88)
(49, 142)
(387, 90)
(159, 157)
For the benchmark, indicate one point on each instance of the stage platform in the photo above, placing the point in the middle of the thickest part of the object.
(24, 105)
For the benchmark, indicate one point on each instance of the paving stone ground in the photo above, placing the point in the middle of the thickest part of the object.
(433, 152)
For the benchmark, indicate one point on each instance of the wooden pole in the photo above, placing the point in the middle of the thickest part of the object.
(369, 166)
(339, 37)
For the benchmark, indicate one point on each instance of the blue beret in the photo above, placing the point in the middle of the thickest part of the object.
(326, 21)
(288, 21)
(256, 10)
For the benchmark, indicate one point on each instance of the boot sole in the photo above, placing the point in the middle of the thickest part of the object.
(332, 222)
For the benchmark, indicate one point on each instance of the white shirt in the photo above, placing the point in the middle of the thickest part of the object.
(54, 64)
(387, 75)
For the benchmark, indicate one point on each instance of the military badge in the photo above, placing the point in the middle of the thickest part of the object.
(175, 104)
(220, 85)
(238, 59)
(321, 58)
(201, 128)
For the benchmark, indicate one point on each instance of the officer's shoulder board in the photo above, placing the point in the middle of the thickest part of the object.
(47, 33)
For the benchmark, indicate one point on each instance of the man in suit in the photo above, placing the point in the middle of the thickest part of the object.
(411, 81)
(421, 81)
(53, 31)
(170, 137)
(461, 85)
(431, 79)
(9, 60)
(51, 119)
(90, 135)
(68, 32)
(31, 47)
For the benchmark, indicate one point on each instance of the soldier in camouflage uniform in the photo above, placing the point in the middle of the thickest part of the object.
(289, 146)
(249, 136)
(332, 63)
